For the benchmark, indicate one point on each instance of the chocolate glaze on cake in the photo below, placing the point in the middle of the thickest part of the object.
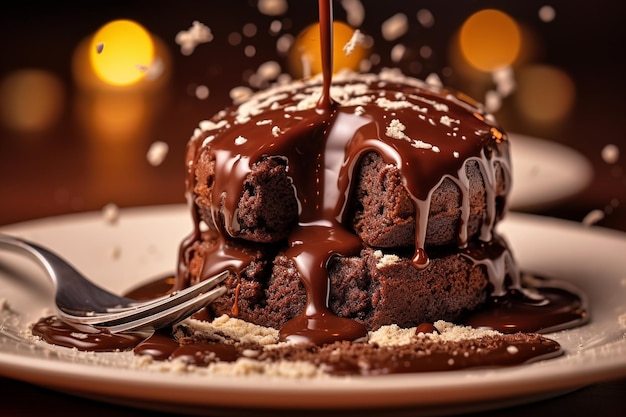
(432, 140)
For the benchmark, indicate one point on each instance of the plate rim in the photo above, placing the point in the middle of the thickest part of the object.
(506, 384)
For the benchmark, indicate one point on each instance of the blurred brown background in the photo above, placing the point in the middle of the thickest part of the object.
(80, 148)
(70, 144)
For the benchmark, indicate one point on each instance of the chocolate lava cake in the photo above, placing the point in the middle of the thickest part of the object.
(381, 211)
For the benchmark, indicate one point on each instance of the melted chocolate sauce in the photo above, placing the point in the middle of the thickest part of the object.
(429, 134)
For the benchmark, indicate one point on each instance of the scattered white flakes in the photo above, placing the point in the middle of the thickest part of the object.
(249, 51)
(152, 71)
(395, 129)
(610, 154)
(157, 153)
(493, 101)
(397, 52)
(455, 154)
(394, 27)
(426, 51)
(425, 18)
(79, 335)
(448, 121)
(265, 73)
(512, 349)
(547, 13)
(450, 361)
(249, 30)
(276, 26)
(202, 92)
(99, 47)
(264, 122)
(283, 44)
(240, 140)
(434, 80)
(504, 79)
(275, 131)
(355, 12)
(189, 39)
(356, 39)
(593, 217)
(272, 7)
(240, 94)
(111, 213)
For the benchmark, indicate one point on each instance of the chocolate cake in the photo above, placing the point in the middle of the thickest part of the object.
(403, 180)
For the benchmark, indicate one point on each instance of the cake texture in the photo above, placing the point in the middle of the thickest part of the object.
(381, 210)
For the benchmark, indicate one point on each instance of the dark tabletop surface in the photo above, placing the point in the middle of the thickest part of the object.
(72, 166)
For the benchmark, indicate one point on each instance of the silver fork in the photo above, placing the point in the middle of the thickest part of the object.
(80, 301)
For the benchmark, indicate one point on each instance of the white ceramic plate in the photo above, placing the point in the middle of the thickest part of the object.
(144, 244)
(545, 172)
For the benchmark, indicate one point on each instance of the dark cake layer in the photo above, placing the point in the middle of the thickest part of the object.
(374, 288)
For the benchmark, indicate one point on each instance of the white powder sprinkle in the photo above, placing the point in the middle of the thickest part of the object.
(240, 93)
(189, 39)
(434, 80)
(157, 153)
(240, 140)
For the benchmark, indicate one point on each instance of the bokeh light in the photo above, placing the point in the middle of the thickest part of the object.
(31, 100)
(305, 57)
(489, 40)
(119, 50)
(545, 94)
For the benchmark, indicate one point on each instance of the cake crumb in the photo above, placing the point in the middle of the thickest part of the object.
(357, 39)
(593, 217)
(111, 213)
(610, 153)
(157, 153)
(189, 39)
(272, 7)
(394, 27)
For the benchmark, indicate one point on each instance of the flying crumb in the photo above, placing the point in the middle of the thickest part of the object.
(202, 92)
(610, 154)
(100, 47)
(547, 14)
(395, 26)
(272, 7)
(398, 52)
(188, 39)
(157, 153)
(355, 12)
(425, 18)
(357, 39)
(111, 213)
(594, 216)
